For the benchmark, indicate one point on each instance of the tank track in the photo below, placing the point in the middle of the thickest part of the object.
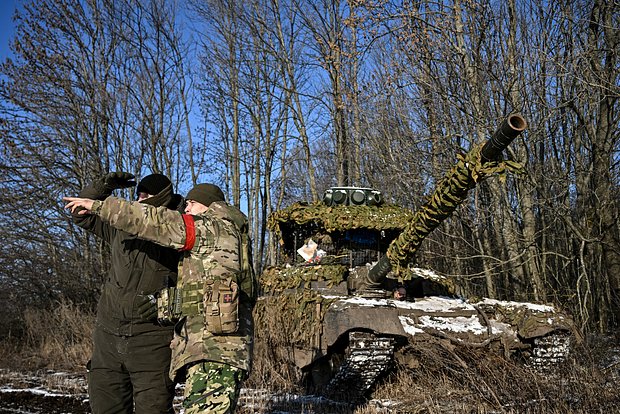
(548, 351)
(366, 358)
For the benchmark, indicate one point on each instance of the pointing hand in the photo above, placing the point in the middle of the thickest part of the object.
(75, 203)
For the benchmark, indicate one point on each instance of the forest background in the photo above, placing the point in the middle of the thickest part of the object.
(277, 100)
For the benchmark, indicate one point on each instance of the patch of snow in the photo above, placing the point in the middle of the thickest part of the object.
(435, 303)
(356, 300)
(441, 303)
(509, 304)
(427, 304)
(409, 325)
(457, 324)
(426, 273)
(37, 391)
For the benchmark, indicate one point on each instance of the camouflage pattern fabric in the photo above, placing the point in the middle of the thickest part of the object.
(294, 319)
(449, 194)
(213, 257)
(211, 388)
(332, 218)
(277, 279)
(168, 306)
(531, 322)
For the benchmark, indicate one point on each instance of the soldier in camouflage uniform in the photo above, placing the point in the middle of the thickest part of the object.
(213, 338)
(128, 369)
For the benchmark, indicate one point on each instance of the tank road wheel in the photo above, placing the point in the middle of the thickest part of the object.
(549, 350)
(365, 359)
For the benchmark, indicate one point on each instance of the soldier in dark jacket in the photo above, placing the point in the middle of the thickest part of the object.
(131, 352)
(212, 345)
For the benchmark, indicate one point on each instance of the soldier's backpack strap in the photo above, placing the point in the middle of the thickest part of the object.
(247, 278)
(248, 284)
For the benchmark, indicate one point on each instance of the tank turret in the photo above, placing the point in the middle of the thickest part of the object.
(331, 309)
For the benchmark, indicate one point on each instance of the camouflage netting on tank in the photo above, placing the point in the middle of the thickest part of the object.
(531, 322)
(450, 192)
(277, 279)
(340, 218)
(291, 319)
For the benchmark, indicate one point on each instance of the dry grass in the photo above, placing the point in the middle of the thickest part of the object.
(470, 381)
(434, 379)
(438, 378)
(446, 379)
(58, 339)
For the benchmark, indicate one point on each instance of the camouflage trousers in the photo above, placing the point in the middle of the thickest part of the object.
(211, 388)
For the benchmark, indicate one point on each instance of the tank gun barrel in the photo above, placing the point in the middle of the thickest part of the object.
(450, 192)
(508, 130)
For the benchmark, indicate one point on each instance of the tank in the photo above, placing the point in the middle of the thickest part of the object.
(344, 303)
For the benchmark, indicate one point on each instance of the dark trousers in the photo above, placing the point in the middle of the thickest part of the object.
(128, 371)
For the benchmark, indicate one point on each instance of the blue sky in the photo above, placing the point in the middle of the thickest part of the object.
(7, 7)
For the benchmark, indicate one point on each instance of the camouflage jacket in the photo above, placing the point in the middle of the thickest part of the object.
(213, 257)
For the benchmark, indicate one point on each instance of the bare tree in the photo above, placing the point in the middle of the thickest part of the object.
(92, 85)
(297, 96)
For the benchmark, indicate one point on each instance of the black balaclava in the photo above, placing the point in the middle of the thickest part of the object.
(157, 185)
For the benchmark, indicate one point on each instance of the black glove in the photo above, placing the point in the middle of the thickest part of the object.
(114, 180)
(147, 307)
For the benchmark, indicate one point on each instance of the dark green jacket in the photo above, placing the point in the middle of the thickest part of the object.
(137, 267)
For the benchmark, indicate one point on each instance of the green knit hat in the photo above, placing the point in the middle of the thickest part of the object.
(205, 194)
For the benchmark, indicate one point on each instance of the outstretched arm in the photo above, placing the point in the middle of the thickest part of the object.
(157, 224)
(100, 189)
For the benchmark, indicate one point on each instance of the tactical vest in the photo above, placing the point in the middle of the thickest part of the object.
(247, 278)
(186, 300)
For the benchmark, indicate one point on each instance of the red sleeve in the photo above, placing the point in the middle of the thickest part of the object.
(190, 232)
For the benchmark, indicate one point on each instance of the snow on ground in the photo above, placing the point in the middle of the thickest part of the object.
(42, 392)
(48, 392)
(44, 382)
